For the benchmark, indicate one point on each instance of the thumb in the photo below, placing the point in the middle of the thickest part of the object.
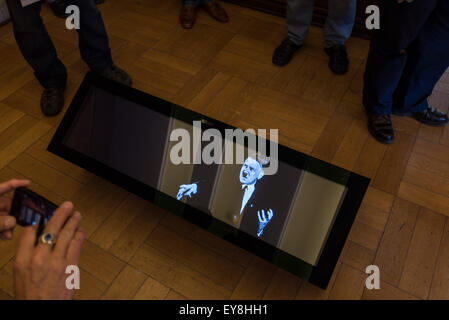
(7, 223)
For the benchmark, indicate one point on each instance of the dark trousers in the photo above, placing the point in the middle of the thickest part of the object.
(39, 51)
(407, 57)
(195, 2)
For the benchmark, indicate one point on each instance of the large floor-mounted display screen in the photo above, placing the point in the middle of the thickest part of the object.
(282, 205)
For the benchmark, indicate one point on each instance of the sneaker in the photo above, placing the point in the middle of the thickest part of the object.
(338, 59)
(52, 101)
(117, 74)
(284, 53)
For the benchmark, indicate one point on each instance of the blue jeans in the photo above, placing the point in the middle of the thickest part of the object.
(338, 26)
(195, 2)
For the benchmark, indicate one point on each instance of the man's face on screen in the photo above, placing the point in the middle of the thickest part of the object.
(250, 172)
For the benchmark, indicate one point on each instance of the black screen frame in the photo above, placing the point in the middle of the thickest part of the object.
(319, 275)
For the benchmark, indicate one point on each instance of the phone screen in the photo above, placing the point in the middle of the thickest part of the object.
(31, 209)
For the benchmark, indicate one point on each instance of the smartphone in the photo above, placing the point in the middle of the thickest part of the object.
(31, 209)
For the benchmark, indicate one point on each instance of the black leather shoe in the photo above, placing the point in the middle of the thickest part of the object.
(432, 117)
(381, 128)
(338, 59)
(52, 101)
(117, 74)
(284, 53)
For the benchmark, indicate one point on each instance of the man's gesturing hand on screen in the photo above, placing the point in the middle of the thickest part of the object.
(263, 220)
(8, 223)
(187, 190)
(39, 269)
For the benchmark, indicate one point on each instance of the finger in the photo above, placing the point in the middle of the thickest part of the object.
(6, 235)
(9, 234)
(7, 223)
(258, 215)
(26, 244)
(5, 204)
(270, 214)
(264, 216)
(10, 185)
(74, 250)
(66, 235)
(55, 224)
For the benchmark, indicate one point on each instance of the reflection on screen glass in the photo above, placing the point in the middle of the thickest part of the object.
(293, 209)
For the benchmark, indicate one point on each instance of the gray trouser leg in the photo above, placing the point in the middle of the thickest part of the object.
(299, 18)
(339, 22)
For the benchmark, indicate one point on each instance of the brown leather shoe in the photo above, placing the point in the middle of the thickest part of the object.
(216, 11)
(188, 16)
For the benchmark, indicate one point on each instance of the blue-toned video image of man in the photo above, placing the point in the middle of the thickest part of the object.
(248, 199)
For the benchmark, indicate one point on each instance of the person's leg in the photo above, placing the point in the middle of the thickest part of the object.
(58, 7)
(337, 29)
(194, 3)
(299, 19)
(36, 45)
(400, 26)
(93, 39)
(339, 22)
(428, 59)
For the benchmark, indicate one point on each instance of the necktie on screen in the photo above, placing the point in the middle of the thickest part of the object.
(249, 189)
